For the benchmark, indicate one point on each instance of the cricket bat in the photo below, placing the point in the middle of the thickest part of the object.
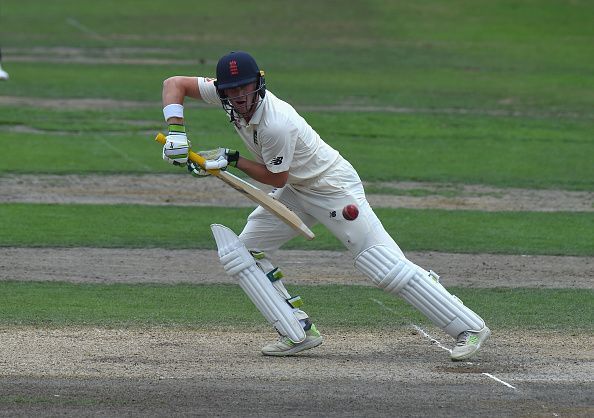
(261, 198)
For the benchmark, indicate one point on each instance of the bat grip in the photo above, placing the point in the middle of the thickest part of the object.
(192, 156)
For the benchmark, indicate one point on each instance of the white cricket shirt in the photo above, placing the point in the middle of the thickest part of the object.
(279, 137)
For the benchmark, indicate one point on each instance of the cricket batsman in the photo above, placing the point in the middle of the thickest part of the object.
(312, 179)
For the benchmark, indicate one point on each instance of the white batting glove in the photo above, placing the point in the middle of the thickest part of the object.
(219, 158)
(197, 171)
(177, 146)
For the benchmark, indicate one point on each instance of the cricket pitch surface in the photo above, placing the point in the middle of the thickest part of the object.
(175, 372)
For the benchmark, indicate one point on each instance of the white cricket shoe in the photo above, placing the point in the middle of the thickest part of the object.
(286, 347)
(3, 74)
(469, 342)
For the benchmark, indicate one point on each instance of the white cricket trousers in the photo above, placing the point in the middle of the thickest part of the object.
(322, 200)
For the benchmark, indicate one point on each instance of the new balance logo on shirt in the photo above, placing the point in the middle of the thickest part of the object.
(276, 161)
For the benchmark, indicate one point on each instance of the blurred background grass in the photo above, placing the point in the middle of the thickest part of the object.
(493, 93)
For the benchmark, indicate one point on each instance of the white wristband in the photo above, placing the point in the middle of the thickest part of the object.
(173, 110)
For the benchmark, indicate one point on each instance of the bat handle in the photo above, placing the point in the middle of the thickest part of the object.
(192, 156)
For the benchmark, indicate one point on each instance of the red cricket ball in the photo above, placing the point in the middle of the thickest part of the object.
(350, 212)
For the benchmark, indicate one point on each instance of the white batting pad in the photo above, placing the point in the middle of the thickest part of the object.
(239, 263)
(399, 276)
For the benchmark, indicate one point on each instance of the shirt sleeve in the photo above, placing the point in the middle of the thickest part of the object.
(208, 91)
(278, 146)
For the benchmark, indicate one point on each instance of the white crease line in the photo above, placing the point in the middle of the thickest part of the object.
(124, 155)
(440, 345)
(499, 380)
(83, 28)
(429, 337)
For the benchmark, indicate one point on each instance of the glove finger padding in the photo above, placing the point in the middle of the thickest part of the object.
(219, 158)
(220, 163)
(196, 170)
(215, 158)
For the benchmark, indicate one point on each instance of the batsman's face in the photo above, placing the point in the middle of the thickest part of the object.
(242, 98)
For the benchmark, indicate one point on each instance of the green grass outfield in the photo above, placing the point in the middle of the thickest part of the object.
(496, 151)
(501, 54)
(495, 93)
(226, 306)
(136, 226)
